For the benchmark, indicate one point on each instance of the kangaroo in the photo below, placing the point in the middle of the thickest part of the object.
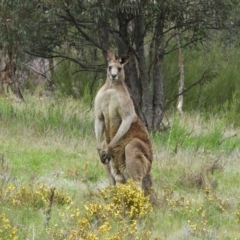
(126, 151)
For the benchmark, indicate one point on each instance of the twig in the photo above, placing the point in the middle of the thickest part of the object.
(36, 71)
(48, 213)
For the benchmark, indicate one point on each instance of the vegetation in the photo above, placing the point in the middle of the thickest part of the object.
(82, 32)
(53, 185)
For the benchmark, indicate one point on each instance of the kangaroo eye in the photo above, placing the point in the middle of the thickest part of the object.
(119, 69)
(109, 68)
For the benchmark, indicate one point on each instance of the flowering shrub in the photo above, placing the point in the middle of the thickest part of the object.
(33, 197)
(127, 200)
(113, 214)
(7, 231)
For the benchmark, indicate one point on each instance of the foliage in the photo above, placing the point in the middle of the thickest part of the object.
(72, 82)
(7, 231)
(127, 200)
(109, 216)
(19, 22)
(33, 197)
(213, 69)
(231, 108)
(96, 221)
(144, 29)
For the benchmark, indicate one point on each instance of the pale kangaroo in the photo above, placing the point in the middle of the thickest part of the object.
(126, 151)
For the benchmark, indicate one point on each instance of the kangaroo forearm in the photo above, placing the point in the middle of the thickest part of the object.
(99, 130)
(124, 127)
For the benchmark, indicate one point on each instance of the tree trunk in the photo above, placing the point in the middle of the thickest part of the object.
(103, 37)
(50, 79)
(16, 85)
(181, 79)
(131, 69)
(158, 95)
(1, 68)
(145, 87)
(1, 59)
(146, 93)
(148, 98)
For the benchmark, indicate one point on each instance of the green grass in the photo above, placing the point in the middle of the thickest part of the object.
(62, 117)
(214, 135)
(49, 145)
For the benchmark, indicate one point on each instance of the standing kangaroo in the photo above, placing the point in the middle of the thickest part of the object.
(126, 151)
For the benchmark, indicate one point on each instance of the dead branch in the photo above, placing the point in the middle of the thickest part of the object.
(204, 77)
(50, 82)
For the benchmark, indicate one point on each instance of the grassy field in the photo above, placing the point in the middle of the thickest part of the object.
(52, 184)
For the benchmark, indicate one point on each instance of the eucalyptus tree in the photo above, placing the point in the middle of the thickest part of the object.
(18, 21)
(144, 29)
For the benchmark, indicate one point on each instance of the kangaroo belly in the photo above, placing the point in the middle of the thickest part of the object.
(118, 162)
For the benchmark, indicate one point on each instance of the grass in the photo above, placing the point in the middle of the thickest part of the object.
(50, 175)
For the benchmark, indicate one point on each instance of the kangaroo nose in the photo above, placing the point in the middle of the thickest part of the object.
(114, 76)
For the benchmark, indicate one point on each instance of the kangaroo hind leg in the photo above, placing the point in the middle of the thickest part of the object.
(137, 165)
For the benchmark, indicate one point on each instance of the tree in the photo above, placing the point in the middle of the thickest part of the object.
(16, 24)
(144, 29)
(181, 79)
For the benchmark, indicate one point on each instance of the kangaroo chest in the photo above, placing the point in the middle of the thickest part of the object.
(111, 110)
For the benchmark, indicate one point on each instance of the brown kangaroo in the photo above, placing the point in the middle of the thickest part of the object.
(126, 151)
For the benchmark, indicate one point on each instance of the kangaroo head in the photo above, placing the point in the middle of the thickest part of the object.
(115, 70)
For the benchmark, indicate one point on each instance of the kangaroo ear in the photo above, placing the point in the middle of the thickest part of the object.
(124, 59)
(110, 55)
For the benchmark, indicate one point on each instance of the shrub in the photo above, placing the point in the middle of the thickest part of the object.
(7, 231)
(114, 213)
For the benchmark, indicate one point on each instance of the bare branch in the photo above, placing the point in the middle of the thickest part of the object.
(84, 34)
(202, 79)
(36, 71)
(55, 54)
(50, 82)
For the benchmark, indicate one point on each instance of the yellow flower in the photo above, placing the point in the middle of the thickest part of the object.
(105, 228)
